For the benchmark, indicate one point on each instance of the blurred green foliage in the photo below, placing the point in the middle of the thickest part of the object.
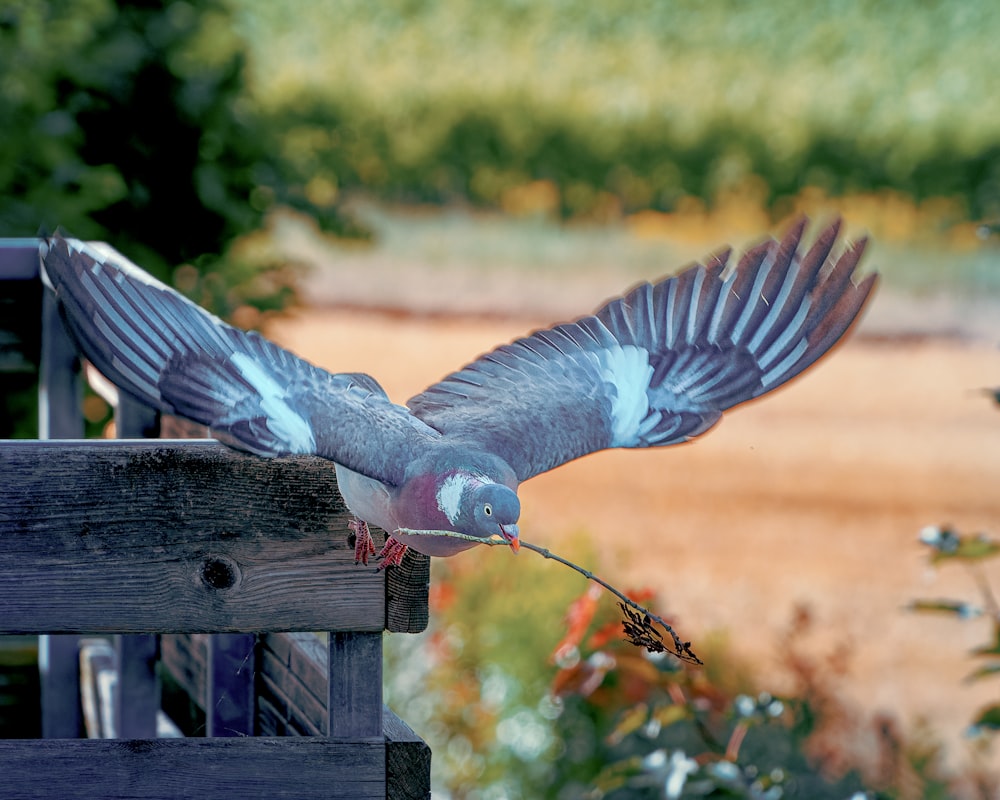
(524, 687)
(473, 684)
(948, 546)
(129, 122)
(635, 104)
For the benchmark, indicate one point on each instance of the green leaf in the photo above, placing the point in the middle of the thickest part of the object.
(957, 608)
(986, 671)
(668, 715)
(629, 722)
(616, 775)
(988, 719)
(971, 548)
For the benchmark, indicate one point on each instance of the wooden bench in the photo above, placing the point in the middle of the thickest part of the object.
(188, 561)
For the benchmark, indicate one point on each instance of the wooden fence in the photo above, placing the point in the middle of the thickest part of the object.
(174, 575)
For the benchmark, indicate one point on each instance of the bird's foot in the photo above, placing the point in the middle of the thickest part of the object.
(364, 544)
(391, 555)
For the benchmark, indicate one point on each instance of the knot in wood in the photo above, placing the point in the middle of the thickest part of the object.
(220, 573)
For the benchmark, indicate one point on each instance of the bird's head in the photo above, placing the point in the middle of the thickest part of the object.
(494, 508)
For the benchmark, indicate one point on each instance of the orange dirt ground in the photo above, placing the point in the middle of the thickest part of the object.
(813, 496)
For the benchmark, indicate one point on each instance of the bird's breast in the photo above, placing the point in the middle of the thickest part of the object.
(418, 505)
(366, 498)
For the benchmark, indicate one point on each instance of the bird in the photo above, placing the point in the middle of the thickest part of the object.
(656, 366)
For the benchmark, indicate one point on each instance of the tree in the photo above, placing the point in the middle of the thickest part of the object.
(131, 122)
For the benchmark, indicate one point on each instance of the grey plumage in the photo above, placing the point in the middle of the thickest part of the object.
(654, 367)
(710, 340)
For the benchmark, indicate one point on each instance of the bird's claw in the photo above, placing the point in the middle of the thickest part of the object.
(391, 554)
(364, 544)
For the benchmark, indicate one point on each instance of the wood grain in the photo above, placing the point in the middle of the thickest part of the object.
(165, 536)
(355, 684)
(294, 683)
(406, 594)
(209, 769)
(232, 664)
(137, 691)
(408, 761)
(59, 674)
(293, 669)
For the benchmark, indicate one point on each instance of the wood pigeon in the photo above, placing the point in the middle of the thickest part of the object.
(656, 366)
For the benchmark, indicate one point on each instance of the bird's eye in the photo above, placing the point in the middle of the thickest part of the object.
(488, 510)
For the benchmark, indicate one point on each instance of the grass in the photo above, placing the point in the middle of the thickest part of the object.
(643, 104)
(888, 66)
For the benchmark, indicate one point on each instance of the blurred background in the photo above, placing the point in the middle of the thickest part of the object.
(396, 187)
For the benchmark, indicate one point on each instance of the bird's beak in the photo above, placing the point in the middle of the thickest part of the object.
(510, 533)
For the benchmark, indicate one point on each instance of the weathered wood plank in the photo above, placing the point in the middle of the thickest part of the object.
(159, 536)
(272, 722)
(134, 420)
(406, 592)
(355, 686)
(185, 657)
(293, 714)
(137, 692)
(59, 395)
(407, 761)
(293, 703)
(59, 674)
(232, 663)
(209, 769)
(294, 696)
(19, 259)
(60, 391)
(305, 654)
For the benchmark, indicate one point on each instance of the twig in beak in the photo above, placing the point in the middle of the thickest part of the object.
(681, 649)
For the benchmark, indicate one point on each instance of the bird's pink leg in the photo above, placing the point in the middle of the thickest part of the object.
(364, 545)
(391, 555)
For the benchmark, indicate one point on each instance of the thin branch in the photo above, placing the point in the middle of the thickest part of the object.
(639, 631)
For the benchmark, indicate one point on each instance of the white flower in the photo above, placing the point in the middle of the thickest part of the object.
(744, 705)
(678, 770)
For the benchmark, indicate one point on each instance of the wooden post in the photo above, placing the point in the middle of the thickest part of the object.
(229, 694)
(59, 417)
(354, 707)
(137, 692)
(59, 388)
(134, 420)
(59, 674)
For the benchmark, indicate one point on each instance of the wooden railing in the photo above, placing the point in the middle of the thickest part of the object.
(187, 561)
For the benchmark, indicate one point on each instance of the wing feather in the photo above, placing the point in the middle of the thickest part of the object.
(660, 364)
(168, 353)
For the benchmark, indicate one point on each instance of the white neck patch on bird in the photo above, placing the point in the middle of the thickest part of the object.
(628, 369)
(449, 495)
(284, 422)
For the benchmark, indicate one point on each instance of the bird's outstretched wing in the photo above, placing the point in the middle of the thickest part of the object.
(660, 364)
(164, 350)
